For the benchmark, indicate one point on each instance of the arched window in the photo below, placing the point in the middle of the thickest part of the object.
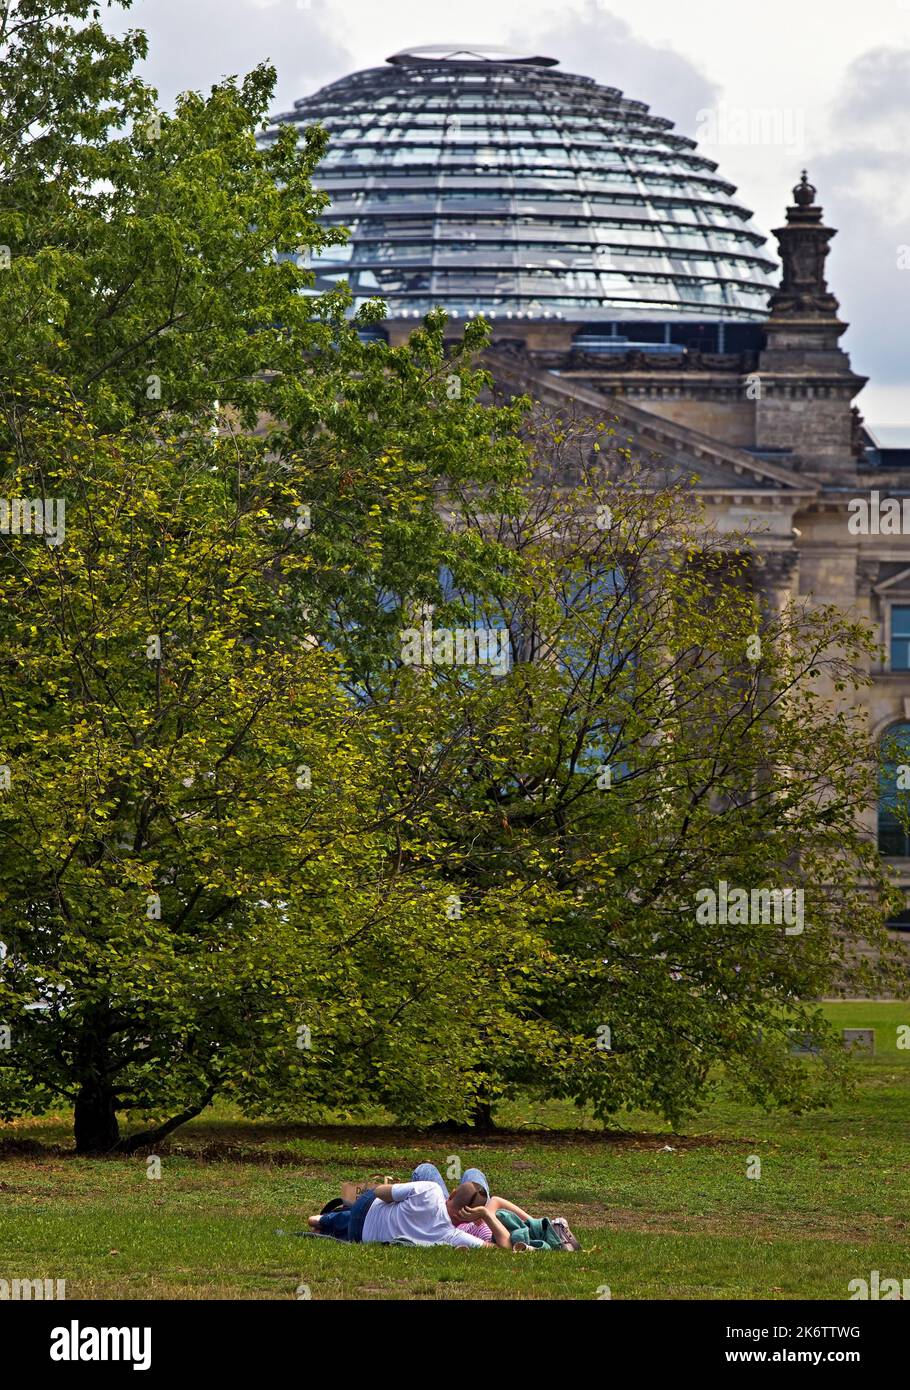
(894, 788)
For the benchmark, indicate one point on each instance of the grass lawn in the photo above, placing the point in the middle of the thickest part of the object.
(660, 1215)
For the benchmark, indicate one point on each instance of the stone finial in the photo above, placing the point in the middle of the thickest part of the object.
(803, 244)
(804, 193)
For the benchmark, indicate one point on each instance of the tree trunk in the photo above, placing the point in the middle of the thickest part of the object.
(483, 1117)
(154, 1136)
(95, 1118)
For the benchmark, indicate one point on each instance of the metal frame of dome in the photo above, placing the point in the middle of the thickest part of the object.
(494, 185)
(467, 53)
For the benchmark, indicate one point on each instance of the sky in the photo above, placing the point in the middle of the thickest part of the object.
(765, 89)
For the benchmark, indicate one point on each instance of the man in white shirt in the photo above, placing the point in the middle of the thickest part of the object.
(416, 1212)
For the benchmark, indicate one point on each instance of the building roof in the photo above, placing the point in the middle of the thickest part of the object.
(490, 182)
(889, 436)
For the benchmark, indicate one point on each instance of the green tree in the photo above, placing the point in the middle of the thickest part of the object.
(156, 264)
(205, 885)
(242, 477)
(662, 732)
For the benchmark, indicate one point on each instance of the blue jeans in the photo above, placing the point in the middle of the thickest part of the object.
(428, 1172)
(347, 1224)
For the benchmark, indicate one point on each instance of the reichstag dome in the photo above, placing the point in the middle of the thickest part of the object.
(489, 182)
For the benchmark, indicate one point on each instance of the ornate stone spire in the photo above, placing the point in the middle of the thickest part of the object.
(808, 384)
(803, 245)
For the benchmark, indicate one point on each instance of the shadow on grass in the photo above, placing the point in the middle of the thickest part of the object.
(233, 1142)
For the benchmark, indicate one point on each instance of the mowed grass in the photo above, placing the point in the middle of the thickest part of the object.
(660, 1215)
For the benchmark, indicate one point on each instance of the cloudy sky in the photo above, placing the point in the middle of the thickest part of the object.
(765, 89)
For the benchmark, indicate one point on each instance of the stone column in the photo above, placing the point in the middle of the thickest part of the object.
(776, 577)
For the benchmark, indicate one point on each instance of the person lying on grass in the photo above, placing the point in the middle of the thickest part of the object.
(416, 1213)
(475, 1225)
(535, 1229)
(428, 1172)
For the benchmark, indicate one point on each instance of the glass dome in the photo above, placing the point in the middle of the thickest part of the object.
(490, 183)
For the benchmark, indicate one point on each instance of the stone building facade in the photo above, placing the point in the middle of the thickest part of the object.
(780, 450)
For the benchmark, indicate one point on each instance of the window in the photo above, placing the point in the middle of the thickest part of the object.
(894, 778)
(899, 923)
(900, 637)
